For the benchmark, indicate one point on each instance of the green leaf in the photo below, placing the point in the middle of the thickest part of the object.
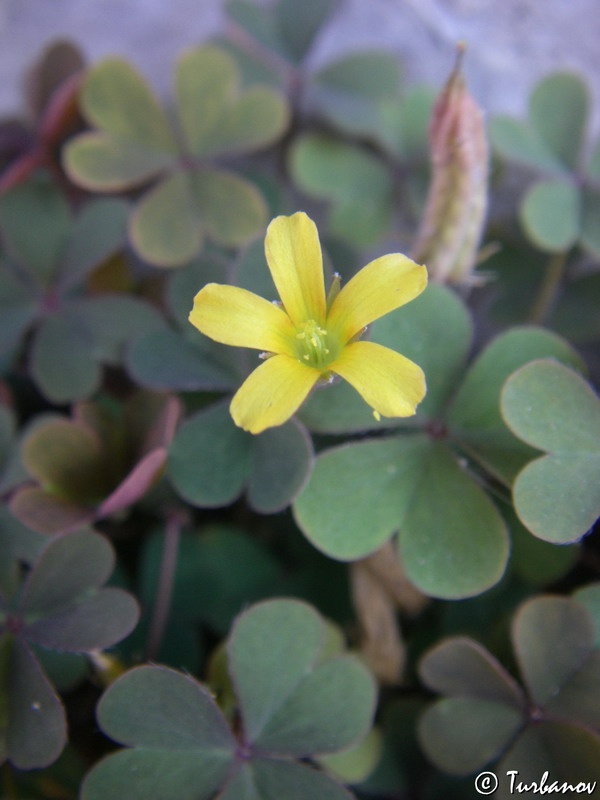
(562, 132)
(281, 461)
(463, 734)
(300, 23)
(231, 207)
(17, 310)
(68, 568)
(99, 162)
(403, 126)
(352, 92)
(156, 707)
(569, 753)
(517, 141)
(356, 182)
(65, 457)
(551, 215)
(36, 205)
(60, 360)
(117, 99)
(99, 231)
(358, 494)
(461, 667)
(217, 116)
(552, 637)
(96, 622)
(37, 729)
(590, 237)
(163, 360)
(113, 321)
(154, 774)
(165, 228)
(358, 762)
(273, 465)
(209, 458)
(474, 415)
(589, 596)
(278, 779)
(471, 553)
(557, 496)
(258, 22)
(291, 704)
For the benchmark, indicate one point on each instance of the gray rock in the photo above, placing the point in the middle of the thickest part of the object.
(510, 43)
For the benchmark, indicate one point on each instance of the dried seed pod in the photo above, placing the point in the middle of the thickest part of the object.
(452, 224)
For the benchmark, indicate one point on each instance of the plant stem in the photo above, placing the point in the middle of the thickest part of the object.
(548, 291)
(165, 585)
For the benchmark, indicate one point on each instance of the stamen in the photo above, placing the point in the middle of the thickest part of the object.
(314, 344)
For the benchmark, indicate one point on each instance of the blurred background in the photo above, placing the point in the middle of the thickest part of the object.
(511, 43)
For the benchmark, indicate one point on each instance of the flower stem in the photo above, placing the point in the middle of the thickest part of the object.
(548, 291)
(164, 591)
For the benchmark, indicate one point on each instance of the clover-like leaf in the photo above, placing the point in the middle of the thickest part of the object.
(41, 287)
(218, 116)
(181, 744)
(36, 205)
(485, 714)
(563, 133)
(303, 708)
(474, 416)
(554, 640)
(353, 91)
(360, 494)
(551, 214)
(272, 467)
(73, 462)
(557, 496)
(61, 605)
(135, 143)
(357, 184)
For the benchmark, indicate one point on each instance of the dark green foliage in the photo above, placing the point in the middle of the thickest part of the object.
(41, 287)
(120, 461)
(62, 606)
(292, 695)
(550, 724)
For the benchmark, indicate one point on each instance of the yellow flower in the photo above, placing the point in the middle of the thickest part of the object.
(311, 336)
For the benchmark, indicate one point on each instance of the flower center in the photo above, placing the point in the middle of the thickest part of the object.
(314, 345)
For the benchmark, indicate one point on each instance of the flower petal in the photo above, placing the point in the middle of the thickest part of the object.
(294, 257)
(272, 393)
(389, 382)
(382, 286)
(235, 316)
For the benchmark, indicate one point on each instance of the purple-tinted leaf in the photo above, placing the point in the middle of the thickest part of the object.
(97, 622)
(37, 729)
(68, 568)
(139, 480)
(48, 513)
